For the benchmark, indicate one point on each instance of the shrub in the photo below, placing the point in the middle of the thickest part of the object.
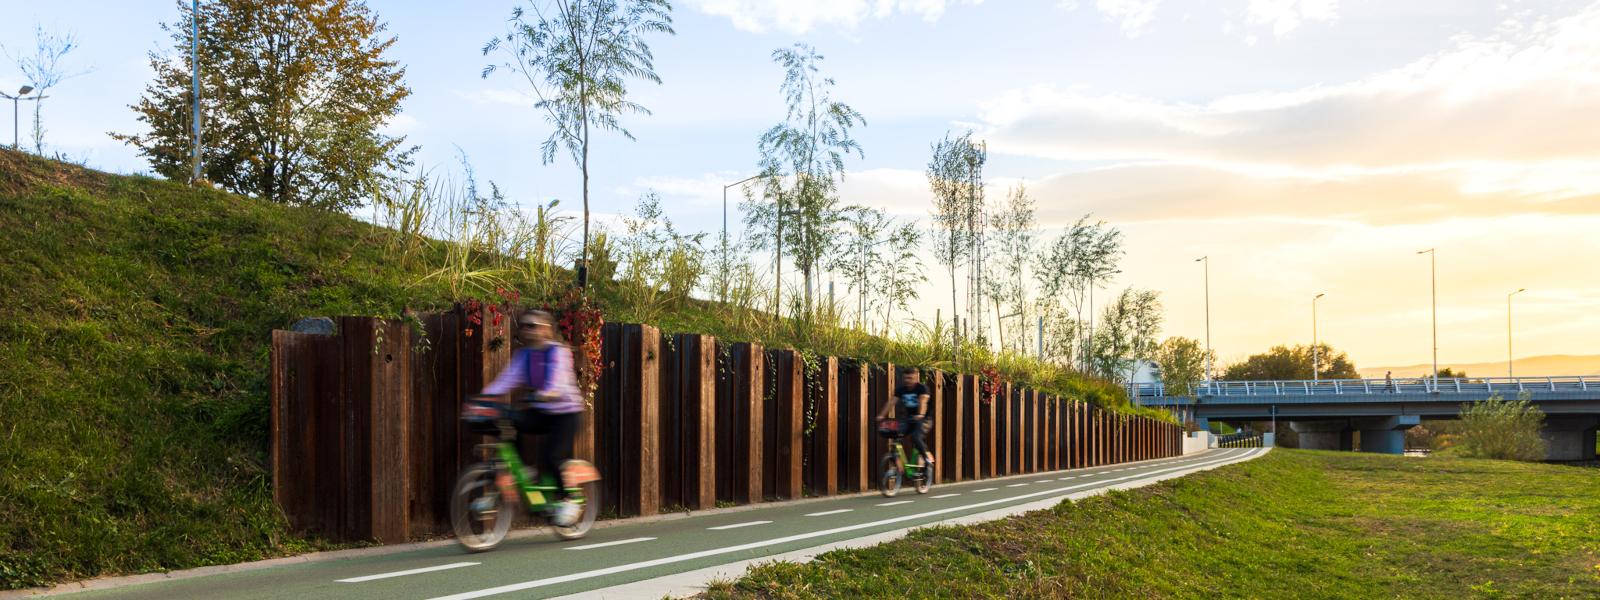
(1501, 429)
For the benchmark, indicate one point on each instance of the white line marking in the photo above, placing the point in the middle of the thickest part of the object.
(609, 544)
(830, 512)
(738, 525)
(895, 503)
(408, 572)
(548, 581)
(1017, 485)
(1044, 481)
(945, 496)
(1066, 478)
(988, 489)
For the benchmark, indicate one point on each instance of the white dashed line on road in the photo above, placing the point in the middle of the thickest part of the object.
(945, 496)
(896, 503)
(610, 544)
(407, 572)
(738, 525)
(830, 512)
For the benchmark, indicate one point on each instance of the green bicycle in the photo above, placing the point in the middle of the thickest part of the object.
(488, 494)
(896, 469)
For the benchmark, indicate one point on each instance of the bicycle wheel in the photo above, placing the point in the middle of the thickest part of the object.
(589, 481)
(890, 470)
(480, 512)
(925, 481)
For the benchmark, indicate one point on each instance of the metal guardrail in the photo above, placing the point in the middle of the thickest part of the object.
(1508, 386)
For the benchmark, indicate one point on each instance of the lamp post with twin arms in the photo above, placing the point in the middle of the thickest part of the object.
(16, 124)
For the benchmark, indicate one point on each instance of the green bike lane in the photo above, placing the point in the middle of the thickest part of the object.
(540, 565)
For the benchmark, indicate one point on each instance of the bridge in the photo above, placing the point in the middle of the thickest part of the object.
(1326, 413)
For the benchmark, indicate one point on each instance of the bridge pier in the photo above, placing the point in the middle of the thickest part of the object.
(1385, 435)
(1569, 437)
(1324, 435)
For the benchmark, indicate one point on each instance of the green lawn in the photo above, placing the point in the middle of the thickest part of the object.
(1293, 524)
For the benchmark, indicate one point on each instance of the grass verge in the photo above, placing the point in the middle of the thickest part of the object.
(1293, 524)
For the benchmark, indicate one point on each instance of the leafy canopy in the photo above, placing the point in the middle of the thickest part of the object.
(294, 95)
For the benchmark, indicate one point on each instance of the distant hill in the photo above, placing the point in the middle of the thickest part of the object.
(1532, 366)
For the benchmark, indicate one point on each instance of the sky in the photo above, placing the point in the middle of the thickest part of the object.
(1304, 146)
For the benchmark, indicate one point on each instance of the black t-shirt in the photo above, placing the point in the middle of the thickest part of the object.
(909, 397)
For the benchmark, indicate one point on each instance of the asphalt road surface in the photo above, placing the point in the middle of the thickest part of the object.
(538, 566)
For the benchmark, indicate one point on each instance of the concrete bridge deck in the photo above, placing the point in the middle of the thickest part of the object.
(1327, 412)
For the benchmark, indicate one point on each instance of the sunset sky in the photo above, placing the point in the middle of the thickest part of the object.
(1306, 146)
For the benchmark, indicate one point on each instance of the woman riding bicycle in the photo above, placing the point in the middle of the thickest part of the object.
(551, 406)
(912, 397)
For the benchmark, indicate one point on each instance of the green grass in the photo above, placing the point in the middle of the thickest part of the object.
(1294, 524)
(133, 412)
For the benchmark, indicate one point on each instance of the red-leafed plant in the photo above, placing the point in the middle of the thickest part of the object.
(579, 321)
(991, 382)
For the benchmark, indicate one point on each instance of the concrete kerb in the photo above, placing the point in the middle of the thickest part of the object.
(120, 581)
(690, 583)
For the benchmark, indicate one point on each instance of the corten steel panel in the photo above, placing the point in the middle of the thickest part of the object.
(850, 437)
(606, 413)
(1006, 432)
(641, 438)
(935, 437)
(951, 450)
(670, 452)
(992, 427)
(788, 409)
(975, 421)
(742, 442)
(822, 461)
(880, 389)
(855, 450)
(388, 413)
(701, 419)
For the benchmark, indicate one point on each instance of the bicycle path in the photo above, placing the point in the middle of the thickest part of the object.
(647, 559)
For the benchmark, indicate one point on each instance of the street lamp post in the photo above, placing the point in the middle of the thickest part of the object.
(1315, 351)
(726, 266)
(1207, 260)
(1433, 278)
(1510, 357)
(16, 123)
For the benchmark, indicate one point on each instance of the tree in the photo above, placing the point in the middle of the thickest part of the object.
(898, 288)
(1128, 333)
(1082, 257)
(1014, 231)
(802, 161)
(862, 259)
(1181, 362)
(951, 177)
(44, 70)
(1292, 363)
(1500, 429)
(294, 93)
(578, 57)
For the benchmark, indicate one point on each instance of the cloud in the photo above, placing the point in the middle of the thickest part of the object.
(1513, 113)
(1131, 15)
(801, 16)
(1284, 16)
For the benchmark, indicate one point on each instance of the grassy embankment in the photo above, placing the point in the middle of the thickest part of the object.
(1294, 524)
(133, 334)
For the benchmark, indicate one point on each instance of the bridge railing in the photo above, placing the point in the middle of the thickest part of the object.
(1506, 386)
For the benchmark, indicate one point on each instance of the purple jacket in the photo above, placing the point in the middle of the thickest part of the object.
(547, 373)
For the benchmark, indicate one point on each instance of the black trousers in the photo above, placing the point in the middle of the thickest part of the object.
(556, 433)
(911, 427)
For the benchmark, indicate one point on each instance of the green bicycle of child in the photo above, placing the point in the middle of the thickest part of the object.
(488, 494)
(894, 466)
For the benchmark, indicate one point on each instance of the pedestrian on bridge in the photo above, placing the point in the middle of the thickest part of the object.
(1388, 381)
